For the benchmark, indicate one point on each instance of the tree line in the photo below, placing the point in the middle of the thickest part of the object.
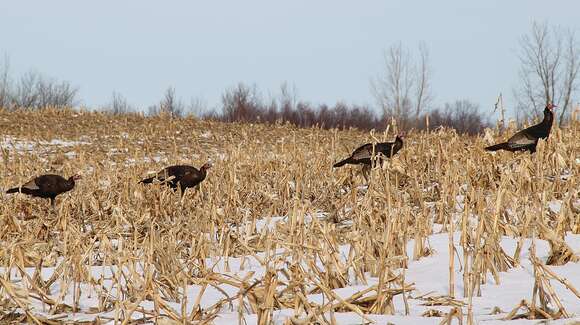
(244, 104)
(549, 65)
(34, 90)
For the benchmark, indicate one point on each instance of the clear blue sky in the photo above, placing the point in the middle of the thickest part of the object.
(328, 49)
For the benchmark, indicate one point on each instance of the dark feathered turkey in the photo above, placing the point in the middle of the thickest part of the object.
(363, 154)
(47, 186)
(180, 176)
(527, 139)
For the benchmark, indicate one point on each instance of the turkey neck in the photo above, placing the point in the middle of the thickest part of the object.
(203, 172)
(69, 184)
(399, 142)
(548, 118)
(544, 128)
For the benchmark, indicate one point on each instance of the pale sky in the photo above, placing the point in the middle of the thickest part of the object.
(329, 50)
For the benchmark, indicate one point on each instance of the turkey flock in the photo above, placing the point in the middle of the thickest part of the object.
(182, 177)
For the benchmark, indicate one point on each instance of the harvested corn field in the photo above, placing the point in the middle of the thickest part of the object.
(442, 232)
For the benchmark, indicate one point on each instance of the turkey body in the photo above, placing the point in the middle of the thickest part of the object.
(47, 186)
(179, 176)
(527, 139)
(363, 154)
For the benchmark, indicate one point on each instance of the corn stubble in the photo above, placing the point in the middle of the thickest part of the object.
(161, 245)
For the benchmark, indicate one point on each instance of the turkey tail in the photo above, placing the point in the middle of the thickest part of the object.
(13, 190)
(341, 163)
(499, 146)
(147, 180)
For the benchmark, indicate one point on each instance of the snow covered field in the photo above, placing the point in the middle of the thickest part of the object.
(429, 277)
(276, 236)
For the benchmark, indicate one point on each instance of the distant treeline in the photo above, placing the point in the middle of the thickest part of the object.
(33, 90)
(243, 103)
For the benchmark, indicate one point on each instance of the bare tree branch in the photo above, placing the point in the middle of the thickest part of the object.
(170, 104)
(549, 70)
(197, 107)
(423, 87)
(118, 104)
(5, 82)
(571, 68)
(403, 90)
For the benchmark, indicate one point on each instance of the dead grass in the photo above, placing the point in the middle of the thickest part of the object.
(153, 246)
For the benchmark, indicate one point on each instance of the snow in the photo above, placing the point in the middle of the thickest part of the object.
(269, 223)
(64, 143)
(555, 206)
(430, 276)
(22, 146)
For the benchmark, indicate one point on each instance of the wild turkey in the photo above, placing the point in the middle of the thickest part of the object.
(363, 154)
(47, 186)
(527, 139)
(180, 176)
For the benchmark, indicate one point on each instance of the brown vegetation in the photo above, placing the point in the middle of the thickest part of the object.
(261, 171)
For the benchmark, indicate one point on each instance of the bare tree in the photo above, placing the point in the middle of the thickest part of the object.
(24, 94)
(288, 95)
(35, 91)
(465, 117)
(288, 100)
(242, 103)
(393, 88)
(5, 82)
(423, 88)
(54, 94)
(571, 68)
(461, 115)
(170, 105)
(197, 107)
(118, 104)
(550, 61)
(403, 90)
